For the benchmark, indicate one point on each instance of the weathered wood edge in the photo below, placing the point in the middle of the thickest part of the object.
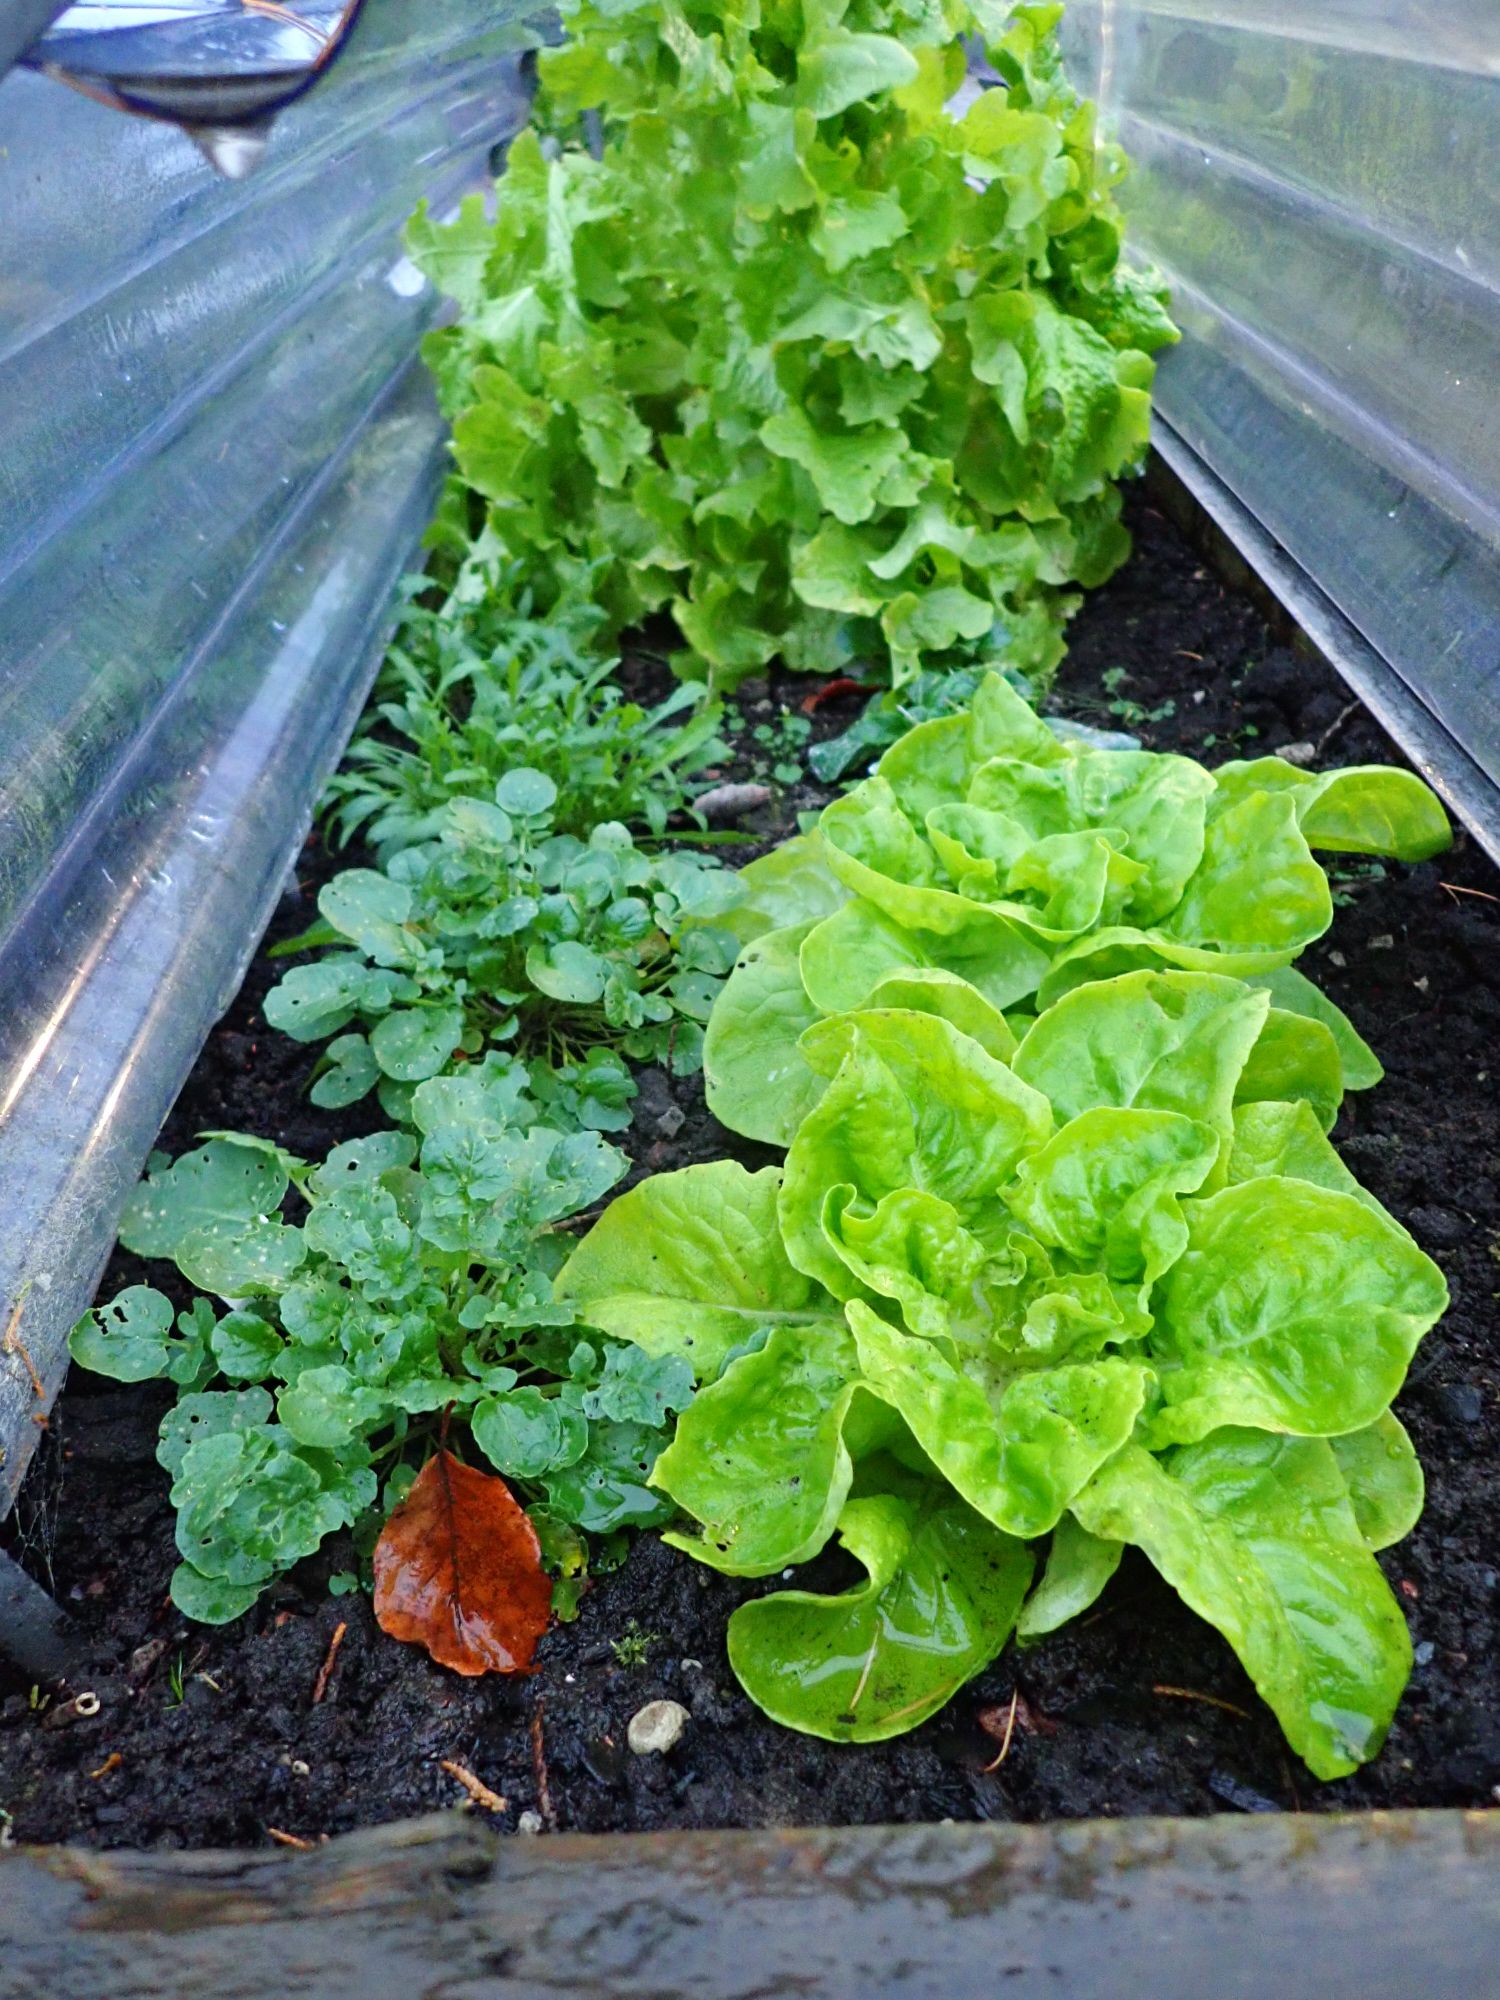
(1365, 1905)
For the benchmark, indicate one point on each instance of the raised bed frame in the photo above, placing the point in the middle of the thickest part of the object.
(1364, 1905)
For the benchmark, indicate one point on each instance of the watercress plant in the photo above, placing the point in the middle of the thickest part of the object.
(823, 351)
(1026, 862)
(415, 1295)
(1102, 1284)
(498, 939)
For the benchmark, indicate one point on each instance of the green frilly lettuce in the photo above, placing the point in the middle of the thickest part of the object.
(769, 333)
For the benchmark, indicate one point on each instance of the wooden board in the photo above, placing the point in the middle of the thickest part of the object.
(440, 1909)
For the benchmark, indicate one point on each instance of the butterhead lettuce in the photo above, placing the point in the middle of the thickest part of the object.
(986, 848)
(1091, 1283)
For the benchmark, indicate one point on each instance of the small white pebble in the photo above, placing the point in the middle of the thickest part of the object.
(529, 1822)
(1385, 942)
(299, 1769)
(567, 1677)
(785, 1574)
(689, 1665)
(1199, 695)
(656, 1727)
(1297, 753)
(1422, 984)
(1337, 958)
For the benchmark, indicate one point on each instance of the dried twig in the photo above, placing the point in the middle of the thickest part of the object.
(865, 1672)
(1349, 708)
(12, 1343)
(289, 1839)
(1010, 1730)
(1458, 889)
(476, 1788)
(325, 1672)
(111, 1763)
(1196, 1694)
(539, 1766)
(1030, 1721)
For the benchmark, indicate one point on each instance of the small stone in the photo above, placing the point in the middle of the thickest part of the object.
(1337, 958)
(671, 1122)
(656, 1727)
(1298, 753)
(1460, 1403)
(1385, 942)
(529, 1822)
(1423, 1653)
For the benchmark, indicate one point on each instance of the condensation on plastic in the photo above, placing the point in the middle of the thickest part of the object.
(217, 454)
(1318, 182)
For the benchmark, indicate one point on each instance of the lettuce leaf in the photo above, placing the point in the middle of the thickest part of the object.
(940, 1598)
(1258, 1534)
(1026, 866)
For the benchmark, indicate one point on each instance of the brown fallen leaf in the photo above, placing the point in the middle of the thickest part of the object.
(458, 1569)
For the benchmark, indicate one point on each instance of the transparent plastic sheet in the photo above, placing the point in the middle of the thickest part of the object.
(217, 455)
(1319, 185)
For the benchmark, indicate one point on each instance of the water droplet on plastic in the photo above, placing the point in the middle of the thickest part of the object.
(231, 150)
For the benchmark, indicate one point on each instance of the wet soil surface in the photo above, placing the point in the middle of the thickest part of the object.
(213, 1738)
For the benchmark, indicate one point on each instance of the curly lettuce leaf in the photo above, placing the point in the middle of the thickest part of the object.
(1018, 1444)
(1292, 1307)
(940, 1599)
(692, 1263)
(1104, 1190)
(1362, 809)
(913, 1105)
(844, 958)
(1258, 1535)
(1152, 1041)
(760, 1460)
(1079, 1565)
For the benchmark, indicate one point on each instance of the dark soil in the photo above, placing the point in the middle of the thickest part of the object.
(212, 1738)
